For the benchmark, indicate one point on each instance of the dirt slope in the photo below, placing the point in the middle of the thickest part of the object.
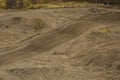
(70, 48)
(53, 38)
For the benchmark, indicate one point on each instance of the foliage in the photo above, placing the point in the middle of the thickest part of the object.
(31, 4)
(34, 4)
(2, 4)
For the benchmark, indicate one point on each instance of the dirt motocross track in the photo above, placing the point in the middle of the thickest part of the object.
(60, 44)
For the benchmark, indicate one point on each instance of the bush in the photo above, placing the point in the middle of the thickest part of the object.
(35, 4)
(2, 4)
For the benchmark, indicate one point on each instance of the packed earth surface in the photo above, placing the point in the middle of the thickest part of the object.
(60, 44)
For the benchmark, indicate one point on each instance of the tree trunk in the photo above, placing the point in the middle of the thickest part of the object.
(11, 3)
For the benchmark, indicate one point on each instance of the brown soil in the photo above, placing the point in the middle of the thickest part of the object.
(60, 44)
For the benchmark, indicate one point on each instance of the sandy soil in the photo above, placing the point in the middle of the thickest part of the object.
(60, 44)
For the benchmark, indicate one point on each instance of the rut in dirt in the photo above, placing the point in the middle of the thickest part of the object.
(54, 38)
(46, 42)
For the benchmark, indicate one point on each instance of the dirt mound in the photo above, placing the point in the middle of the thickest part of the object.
(107, 53)
(105, 43)
(94, 10)
(98, 50)
(20, 24)
(14, 29)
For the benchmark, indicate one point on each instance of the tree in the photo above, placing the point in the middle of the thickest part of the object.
(20, 4)
(11, 3)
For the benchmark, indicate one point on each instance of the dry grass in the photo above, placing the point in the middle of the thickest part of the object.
(51, 5)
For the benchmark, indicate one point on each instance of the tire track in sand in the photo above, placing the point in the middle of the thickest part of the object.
(56, 37)
(47, 42)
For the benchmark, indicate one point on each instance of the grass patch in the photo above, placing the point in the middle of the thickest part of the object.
(104, 30)
(99, 34)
